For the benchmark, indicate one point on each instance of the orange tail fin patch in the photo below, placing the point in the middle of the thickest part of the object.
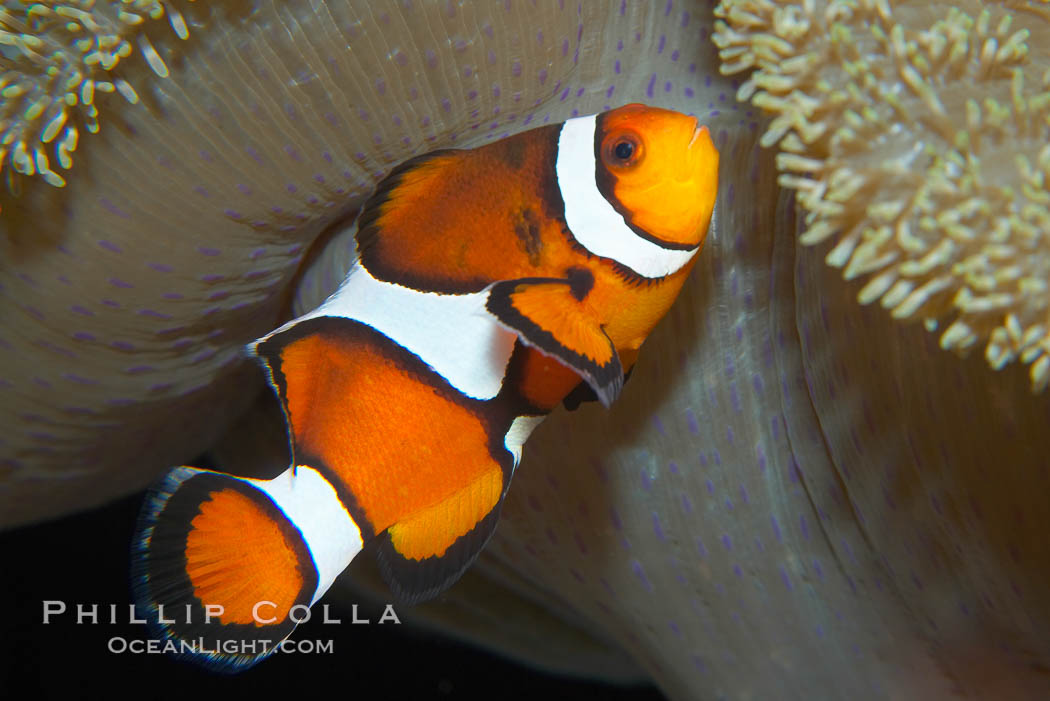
(552, 315)
(218, 568)
(226, 570)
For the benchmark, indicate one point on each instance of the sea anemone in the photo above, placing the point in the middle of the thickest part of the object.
(916, 137)
(795, 496)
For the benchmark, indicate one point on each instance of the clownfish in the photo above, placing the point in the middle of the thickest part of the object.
(491, 285)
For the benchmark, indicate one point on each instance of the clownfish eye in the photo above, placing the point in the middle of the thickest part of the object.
(622, 150)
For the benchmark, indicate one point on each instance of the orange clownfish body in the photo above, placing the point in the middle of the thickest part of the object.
(491, 284)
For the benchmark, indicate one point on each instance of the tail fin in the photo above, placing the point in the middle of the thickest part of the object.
(226, 566)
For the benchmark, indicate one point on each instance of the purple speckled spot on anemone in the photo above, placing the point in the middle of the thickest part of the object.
(657, 528)
(110, 246)
(206, 251)
(647, 479)
(33, 312)
(650, 86)
(160, 267)
(639, 572)
(694, 426)
(112, 208)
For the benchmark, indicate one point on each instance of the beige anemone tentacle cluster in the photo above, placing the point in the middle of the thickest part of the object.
(916, 135)
(60, 55)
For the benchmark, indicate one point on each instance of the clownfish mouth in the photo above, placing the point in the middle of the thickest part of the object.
(700, 129)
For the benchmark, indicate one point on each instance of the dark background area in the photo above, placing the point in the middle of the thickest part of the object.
(85, 559)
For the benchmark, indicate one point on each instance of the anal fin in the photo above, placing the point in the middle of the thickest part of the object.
(422, 555)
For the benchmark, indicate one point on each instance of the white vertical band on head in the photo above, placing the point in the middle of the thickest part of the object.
(591, 218)
(312, 505)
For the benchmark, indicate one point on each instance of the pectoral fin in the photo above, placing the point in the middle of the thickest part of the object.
(552, 315)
